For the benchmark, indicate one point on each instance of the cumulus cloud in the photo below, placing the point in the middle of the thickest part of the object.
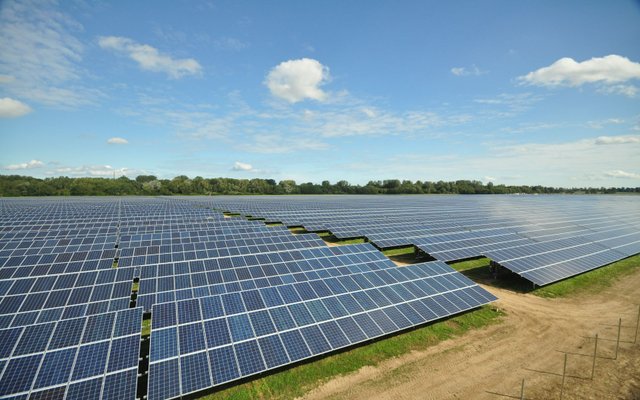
(297, 80)
(240, 166)
(28, 165)
(618, 139)
(117, 140)
(610, 71)
(622, 174)
(149, 58)
(464, 71)
(10, 108)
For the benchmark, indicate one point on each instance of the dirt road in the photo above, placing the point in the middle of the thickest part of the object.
(530, 343)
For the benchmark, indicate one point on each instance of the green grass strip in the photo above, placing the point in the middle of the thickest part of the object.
(146, 327)
(296, 381)
(399, 251)
(470, 264)
(592, 281)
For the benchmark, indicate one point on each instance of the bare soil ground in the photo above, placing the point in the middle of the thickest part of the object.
(529, 344)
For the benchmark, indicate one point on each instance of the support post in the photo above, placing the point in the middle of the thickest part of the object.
(522, 390)
(618, 340)
(564, 373)
(595, 354)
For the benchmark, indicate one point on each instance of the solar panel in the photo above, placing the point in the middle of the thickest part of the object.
(248, 334)
(96, 354)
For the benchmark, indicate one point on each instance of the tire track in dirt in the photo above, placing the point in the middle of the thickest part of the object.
(527, 344)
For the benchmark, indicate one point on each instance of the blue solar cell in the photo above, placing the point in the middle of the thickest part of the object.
(301, 314)
(334, 334)
(47, 394)
(233, 303)
(262, 324)
(217, 332)
(295, 345)
(223, 364)
(89, 389)
(195, 374)
(253, 300)
(318, 310)
(124, 353)
(91, 360)
(189, 311)
(120, 386)
(282, 318)
(315, 339)
(351, 330)
(163, 380)
(8, 339)
(163, 315)
(240, 327)
(19, 373)
(55, 368)
(368, 325)
(164, 344)
(34, 339)
(98, 327)
(67, 333)
(249, 357)
(191, 338)
(273, 351)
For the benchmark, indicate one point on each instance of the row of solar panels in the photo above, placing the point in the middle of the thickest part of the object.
(511, 225)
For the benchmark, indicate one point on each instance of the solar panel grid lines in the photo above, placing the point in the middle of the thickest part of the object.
(250, 339)
(534, 219)
(53, 358)
(273, 272)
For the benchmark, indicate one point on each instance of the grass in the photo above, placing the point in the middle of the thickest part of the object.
(400, 251)
(135, 287)
(146, 327)
(470, 264)
(343, 242)
(296, 381)
(591, 281)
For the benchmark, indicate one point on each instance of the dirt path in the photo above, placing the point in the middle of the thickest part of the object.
(491, 363)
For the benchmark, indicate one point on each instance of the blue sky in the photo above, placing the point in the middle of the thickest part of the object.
(531, 92)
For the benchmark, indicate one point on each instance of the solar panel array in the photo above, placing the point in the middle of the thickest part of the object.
(542, 238)
(228, 298)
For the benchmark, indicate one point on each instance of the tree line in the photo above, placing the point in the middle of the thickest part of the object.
(15, 185)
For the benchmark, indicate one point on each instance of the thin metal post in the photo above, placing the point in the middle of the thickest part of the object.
(618, 340)
(595, 354)
(635, 338)
(522, 390)
(564, 373)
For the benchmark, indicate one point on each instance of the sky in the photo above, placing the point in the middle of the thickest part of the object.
(526, 92)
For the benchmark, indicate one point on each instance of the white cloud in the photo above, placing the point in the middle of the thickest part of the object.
(610, 71)
(602, 123)
(622, 174)
(117, 140)
(10, 108)
(28, 165)
(105, 171)
(149, 58)
(279, 144)
(626, 90)
(41, 56)
(618, 139)
(240, 166)
(464, 71)
(296, 80)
